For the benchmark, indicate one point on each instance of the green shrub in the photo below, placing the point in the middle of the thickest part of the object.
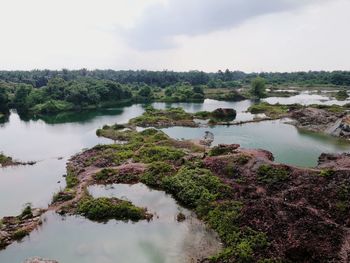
(224, 218)
(270, 175)
(156, 171)
(110, 208)
(27, 212)
(202, 115)
(104, 174)
(71, 179)
(62, 196)
(195, 187)
(327, 172)
(19, 234)
(159, 153)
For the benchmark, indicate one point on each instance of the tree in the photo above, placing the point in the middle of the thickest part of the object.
(258, 87)
(146, 92)
(3, 100)
(342, 95)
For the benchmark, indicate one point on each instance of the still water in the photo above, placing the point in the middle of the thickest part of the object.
(287, 143)
(163, 239)
(52, 140)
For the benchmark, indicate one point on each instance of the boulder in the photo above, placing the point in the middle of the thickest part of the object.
(224, 113)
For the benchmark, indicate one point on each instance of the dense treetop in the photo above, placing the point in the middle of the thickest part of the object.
(39, 78)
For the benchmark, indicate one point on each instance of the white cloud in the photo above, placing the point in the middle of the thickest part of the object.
(89, 33)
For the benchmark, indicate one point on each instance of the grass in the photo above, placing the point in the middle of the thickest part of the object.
(71, 179)
(270, 110)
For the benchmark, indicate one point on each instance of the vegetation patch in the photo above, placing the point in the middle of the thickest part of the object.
(71, 179)
(272, 111)
(150, 153)
(342, 95)
(224, 218)
(269, 174)
(5, 160)
(102, 208)
(163, 118)
(195, 187)
(63, 196)
(19, 234)
(155, 173)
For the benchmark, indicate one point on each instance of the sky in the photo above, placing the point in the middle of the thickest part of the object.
(180, 35)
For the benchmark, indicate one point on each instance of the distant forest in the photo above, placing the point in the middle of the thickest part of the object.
(40, 78)
(47, 91)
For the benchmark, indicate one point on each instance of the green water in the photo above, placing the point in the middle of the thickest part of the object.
(75, 239)
(288, 144)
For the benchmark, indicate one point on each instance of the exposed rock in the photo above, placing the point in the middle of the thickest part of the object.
(207, 139)
(334, 161)
(321, 120)
(314, 119)
(224, 113)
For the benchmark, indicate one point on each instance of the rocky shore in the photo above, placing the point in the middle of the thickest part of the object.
(263, 211)
(333, 120)
(9, 161)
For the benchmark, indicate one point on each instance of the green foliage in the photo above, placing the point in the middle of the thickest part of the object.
(71, 179)
(4, 100)
(19, 234)
(327, 172)
(182, 92)
(62, 196)
(202, 115)
(61, 95)
(241, 242)
(195, 187)
(270, 174)
(154, 117)
(258, 87)
(105, 174)
(219, 150)
(150, 153)
(27, 212)
(5, 159)
(342, 95)
(110, 208)
(270, 110)
(156, 171)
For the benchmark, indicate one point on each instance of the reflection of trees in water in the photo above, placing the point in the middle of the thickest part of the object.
(69, 117)
(200, 241)
(325, 139)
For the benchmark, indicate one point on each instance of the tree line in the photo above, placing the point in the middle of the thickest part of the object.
(40, 78)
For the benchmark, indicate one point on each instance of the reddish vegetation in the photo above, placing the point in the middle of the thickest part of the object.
(304, 212)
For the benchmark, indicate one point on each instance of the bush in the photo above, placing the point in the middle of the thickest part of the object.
(27, 212)
(104, 174)
(156, 172)
(151, 154)
(110, 208)
(271, 175)
(19, 234)
(71, 179)
(195, 188)
(62, 196)
(224, 219)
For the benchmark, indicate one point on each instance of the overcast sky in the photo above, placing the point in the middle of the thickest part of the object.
(181, 35)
